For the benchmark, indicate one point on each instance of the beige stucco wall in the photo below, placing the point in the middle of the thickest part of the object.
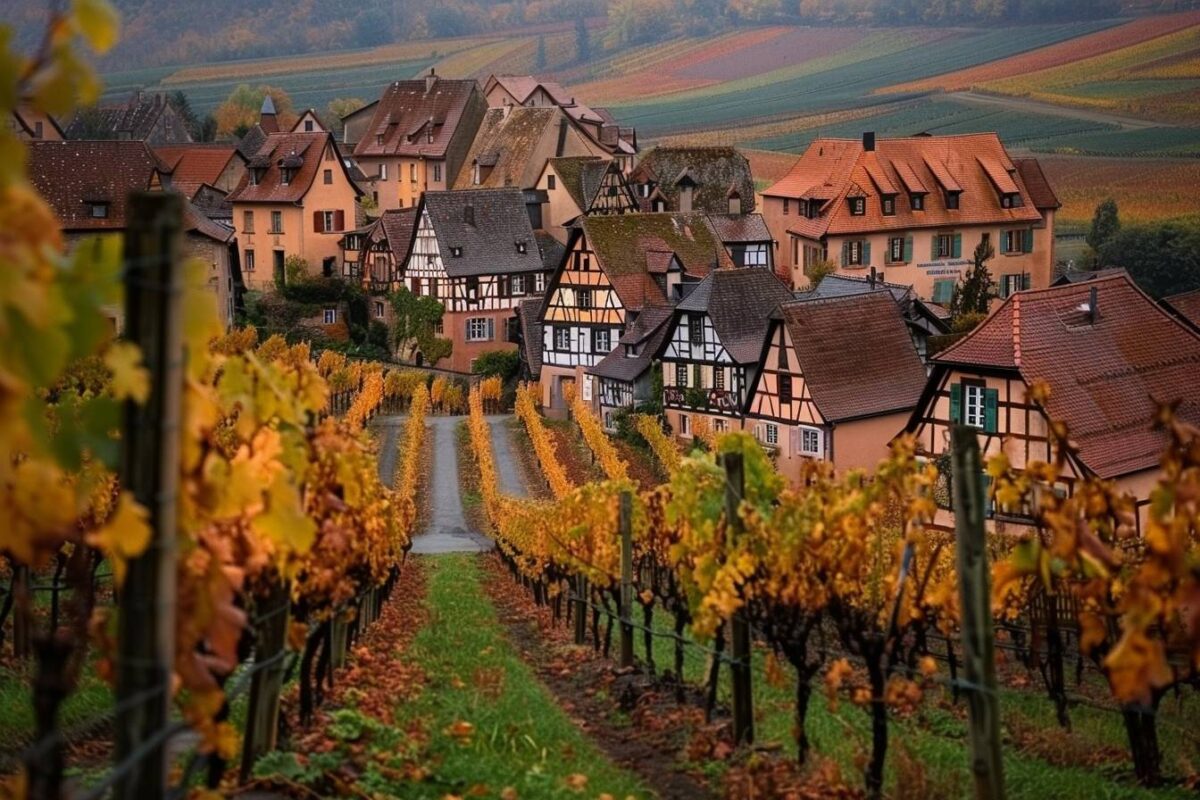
(406, 179)
(454, 328)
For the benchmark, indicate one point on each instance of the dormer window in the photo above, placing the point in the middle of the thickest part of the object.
(379, 138)
(521, 248)
(456, 252)
(632, 350)
(256, 176)
(1010, 200)
(285, 176)
(98, 210)
(429, 136)
(917, 201)
(858, 206)
(952, 200)
(888, 205)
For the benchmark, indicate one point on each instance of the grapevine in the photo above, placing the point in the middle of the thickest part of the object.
(601, 447)
(543, 445)
(650, 429)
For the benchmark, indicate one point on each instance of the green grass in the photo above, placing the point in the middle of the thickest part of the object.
(92, 698)
(935, 737)
(522, 739)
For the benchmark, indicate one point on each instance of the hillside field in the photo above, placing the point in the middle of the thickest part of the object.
(1123, 92)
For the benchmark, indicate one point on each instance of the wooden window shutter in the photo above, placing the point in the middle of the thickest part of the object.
(933, 251)
(866, 253)
(991, 408)
(908, 249)
(1027, 241)
(957, 252)
(491, 328)
(339, 220)
(1026, 280)
(467, 330)
(845, 253)
(956, 396)
(318, 222)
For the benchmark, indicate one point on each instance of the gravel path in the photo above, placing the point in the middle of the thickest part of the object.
(507, 468)
(447, 531)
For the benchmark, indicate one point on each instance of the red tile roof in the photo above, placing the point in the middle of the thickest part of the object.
(1036, 183)
(977, 165)
(1186, 305)
(406, 112)
(193, 165)
(72, 175)
(1106, 377)
(302, 152)
(848, 380)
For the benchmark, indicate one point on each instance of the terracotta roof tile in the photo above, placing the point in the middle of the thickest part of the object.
(1186, 305)
(302, 152)
(404, 111)
(831, 169)
(193, 165)
(848, 380)
(1036, 184)
(740, 228)
(71, 175)
(1106, 376)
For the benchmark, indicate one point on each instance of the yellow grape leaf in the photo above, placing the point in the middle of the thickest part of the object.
(126, 534)
(130, 378)
(285, 522)
(97, 22)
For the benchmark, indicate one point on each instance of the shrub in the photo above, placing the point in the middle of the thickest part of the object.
(502, 363)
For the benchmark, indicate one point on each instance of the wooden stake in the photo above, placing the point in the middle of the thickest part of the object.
(739, 629)
(979, 662)
(625, 526)
(581, 610)
(150, 469)
(262, 716)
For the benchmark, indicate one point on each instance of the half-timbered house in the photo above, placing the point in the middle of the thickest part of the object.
(372, 257)
(714, 180)
(746, 239)
(615, 265)
(624, 378)
(477, 253)
(710, 354)
(839, 379)
(582, 186)
(1109, 356)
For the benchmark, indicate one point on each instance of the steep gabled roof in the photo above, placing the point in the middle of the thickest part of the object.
(303, 153)
(133, 119)
(621, 243)
(739, 302)
(1185, 305)
(529, 317)
(713, 170)
(1107, 368)
(408, 110)
(856, 355)
(486, 227)
(507, 143)
(1036, 184)
(397, 226)
(73, 174)
(193, 165)
(977, 165)
(740, 228)
(647, 332)
(581, 177)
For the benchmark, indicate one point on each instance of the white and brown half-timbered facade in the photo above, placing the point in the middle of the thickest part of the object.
(614, 265)
(624, 379)
(839, 379)
(710, 354)
(582, 186)
(1108, 354)
(476, 252)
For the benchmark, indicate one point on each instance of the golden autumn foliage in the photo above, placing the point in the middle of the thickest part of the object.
(597, 440)
(543, 444)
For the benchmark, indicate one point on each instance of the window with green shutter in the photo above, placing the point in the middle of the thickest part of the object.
(956, 402)
(991, 410)
(943, 290)
(908, 249)
(1027, 242)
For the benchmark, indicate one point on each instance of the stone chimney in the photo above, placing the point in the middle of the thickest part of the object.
(869, 141)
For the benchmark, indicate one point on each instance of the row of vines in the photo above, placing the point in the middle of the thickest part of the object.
(847, 580)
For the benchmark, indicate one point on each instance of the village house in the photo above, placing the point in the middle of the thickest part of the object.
(624, 379)
(32, 125)
(614, 267)
(712, 180)
(840, 376)
(205, 174)
(309, 122)
(418, 138)
(1109, 356)
(477, 253)
(507, 91)
(915, 209)
(581, 186)
(713, 346)
(375, 254)
(88, 184)
(146, 116)
(923, 319)
(514, 144)
(296, 199)
(746, 239)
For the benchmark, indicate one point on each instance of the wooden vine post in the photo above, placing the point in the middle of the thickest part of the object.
(150, 469)
(581, 609)
(979, 657)
(739, 629)
(262, 716)
(625, 526)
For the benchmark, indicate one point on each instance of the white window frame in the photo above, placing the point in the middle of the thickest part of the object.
(854, 253)
(771, 434)
(804, 434)
(330, 316)
(946, 239)
(327, 220)
(379, 309)
(276, 222)
(562, 339)
(685, 426)
(517, 285)
(477, 329)
(539, 282)
(974, 405)
(601, 340)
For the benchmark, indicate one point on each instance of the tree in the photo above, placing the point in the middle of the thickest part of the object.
(972, 295)
(1106, 223)
(1162, 257)
(339, 107)
(242, 109)
(415, 325)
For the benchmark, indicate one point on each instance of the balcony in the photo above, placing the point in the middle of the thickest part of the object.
(379, 287)
(719, 400)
